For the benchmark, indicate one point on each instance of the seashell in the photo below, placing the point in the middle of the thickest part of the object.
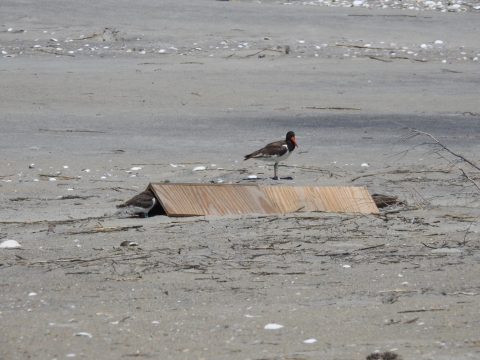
(454, 7)
(273, 326)
(84, 334)
(252, 177)
(32, 294)
(438, 42)
(309, 341)
(52, 179)
(9, 244)
(135, 168)
(199, 168)
(365, 165)
(86, 170)
(346, 266)
(128, 243)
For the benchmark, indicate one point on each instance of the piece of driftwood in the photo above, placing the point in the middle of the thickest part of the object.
(59, 177)
(364, 47)
(330, 108)
(422, 310)
(379, 58)
(73, 130)
(100, 229)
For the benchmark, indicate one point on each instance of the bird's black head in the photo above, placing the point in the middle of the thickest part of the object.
(291, 137)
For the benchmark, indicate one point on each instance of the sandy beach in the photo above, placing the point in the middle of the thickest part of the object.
(99, 99)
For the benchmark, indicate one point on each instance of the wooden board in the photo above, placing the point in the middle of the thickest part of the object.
(205, 199)
(220, 199)
(287, 199)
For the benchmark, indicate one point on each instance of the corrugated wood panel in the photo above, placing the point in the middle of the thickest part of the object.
(205, 199)
(287, 199)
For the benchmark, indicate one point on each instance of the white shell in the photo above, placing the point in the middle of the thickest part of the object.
(252, 176)
(199, 168)
(9, 244)
(135, 168)
(273, 326)
(84, 334)
(310, 341)
(52, 179)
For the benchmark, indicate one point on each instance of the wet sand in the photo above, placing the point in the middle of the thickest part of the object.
(202, 83)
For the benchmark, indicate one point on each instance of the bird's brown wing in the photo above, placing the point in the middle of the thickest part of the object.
(272, 150)
(144, 200)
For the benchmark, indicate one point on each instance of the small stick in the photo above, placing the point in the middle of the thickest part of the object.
(330, 108)
(466, 232)
(364, 47)
(380, 59)
(422, 310)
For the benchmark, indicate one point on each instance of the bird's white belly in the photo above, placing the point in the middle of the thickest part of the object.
(275, 159)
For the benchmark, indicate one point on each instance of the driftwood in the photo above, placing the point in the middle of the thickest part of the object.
(102, 229)
(437, 147)
(330, 108)
(422, 310)
(73, 130)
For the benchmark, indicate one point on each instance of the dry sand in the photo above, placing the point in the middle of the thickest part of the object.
(186, 83)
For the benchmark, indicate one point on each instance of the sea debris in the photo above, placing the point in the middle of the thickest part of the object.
(10, 244)
(273, 326)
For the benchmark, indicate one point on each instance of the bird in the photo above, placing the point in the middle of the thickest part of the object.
(276, 151)
(139, 204)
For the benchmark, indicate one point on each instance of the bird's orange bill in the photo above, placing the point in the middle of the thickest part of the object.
(293, 140)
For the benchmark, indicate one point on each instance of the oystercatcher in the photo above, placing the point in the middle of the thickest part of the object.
(139, 204)
(276, 151)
